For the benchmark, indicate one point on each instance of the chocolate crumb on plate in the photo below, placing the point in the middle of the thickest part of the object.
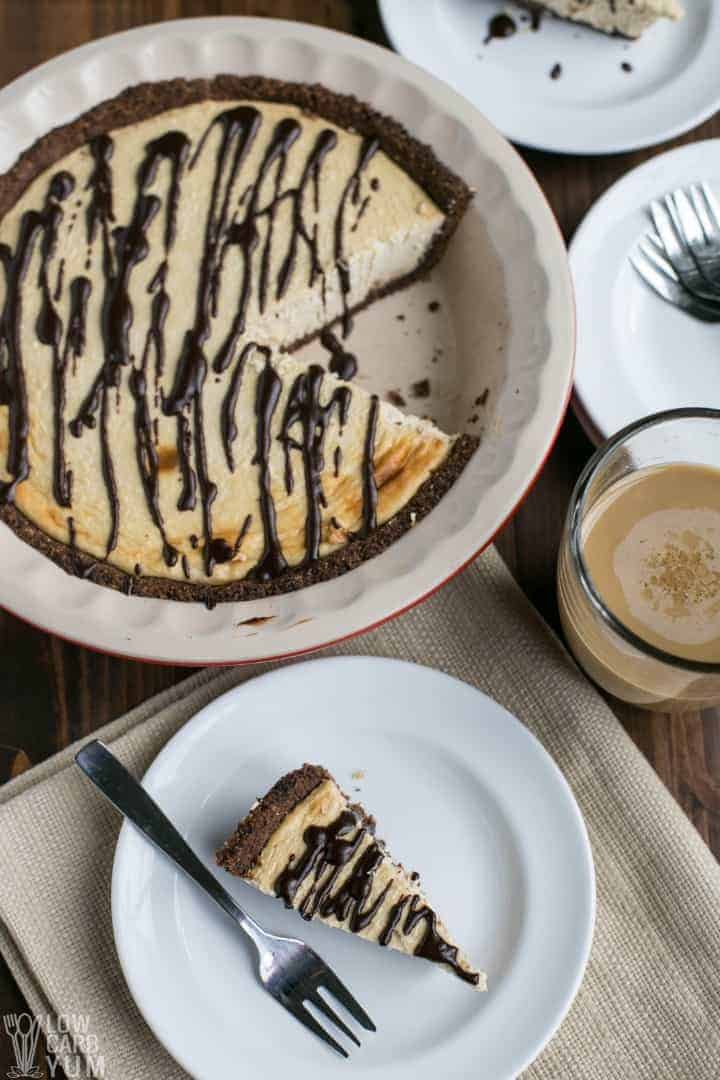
(421, 388)
(500, 26)
(556, 71)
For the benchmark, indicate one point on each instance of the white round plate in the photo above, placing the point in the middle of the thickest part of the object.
(595, 106)
(475, 804)
(637, 354)
(505, 323)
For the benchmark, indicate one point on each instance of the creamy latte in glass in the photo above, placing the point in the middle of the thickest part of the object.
(639, 568)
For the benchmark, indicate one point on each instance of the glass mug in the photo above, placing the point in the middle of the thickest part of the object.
(611, 653)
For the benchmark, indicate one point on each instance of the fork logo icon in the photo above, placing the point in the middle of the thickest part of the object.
(23, 1031)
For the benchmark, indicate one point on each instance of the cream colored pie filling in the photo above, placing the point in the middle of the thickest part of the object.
(325, 863)
(150, 278)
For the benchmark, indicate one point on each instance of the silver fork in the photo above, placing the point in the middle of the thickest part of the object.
(289, 970)
(680, 260)
(688, 227)
(657, 272)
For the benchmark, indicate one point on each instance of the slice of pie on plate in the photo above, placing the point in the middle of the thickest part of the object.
(307, 844)
(162, 254)
(630, 18)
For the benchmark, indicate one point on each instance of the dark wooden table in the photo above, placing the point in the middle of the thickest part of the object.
(53, 692)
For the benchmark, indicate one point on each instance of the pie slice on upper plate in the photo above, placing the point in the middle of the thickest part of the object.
(630, 18)
(305, 843)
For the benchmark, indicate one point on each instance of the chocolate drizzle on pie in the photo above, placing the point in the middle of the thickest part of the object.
(121, 253)
(370, 492)
(330, 849)
(35, 226)
(305, 410)
(351, 192)
(342, 363)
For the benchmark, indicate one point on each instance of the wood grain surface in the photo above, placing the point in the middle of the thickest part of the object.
(52, 692)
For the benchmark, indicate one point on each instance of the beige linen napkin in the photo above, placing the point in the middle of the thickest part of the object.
(649, 1007)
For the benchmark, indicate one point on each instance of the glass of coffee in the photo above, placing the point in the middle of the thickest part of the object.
(639, 564)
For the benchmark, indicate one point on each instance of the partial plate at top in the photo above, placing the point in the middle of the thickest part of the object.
(492, 331)
(637, 354)
(564, 88)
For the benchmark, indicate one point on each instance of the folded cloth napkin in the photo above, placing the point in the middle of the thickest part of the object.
(649, 1007)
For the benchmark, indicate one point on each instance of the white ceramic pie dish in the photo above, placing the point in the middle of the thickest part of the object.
(506, 323)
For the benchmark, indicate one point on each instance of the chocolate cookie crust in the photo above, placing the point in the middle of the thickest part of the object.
(448, 191)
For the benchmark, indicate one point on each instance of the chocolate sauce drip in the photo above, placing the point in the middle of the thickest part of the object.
(361, 213)
(348, 903)
(238, 128)
(285, 134)
(228, 426)
(100, 207)
(57, 292)
(49, 330)
(173, 146)
(370, 493)
(34, 225)
(433, 946)
(108, 474)
(368, 149)
(129, 247)
(159, 308)
(342, 363)
(269, 387)
(394, 918)
(325, 142)
(80, 289)
(337, 461)
(304, 408)
(188, 495)
(72, 535)
(147, 459)
(324, 846)
(221, 551)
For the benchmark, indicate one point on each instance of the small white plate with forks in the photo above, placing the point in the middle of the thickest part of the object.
(638, 354)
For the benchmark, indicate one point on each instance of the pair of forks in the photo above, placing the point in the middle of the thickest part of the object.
(680, 258)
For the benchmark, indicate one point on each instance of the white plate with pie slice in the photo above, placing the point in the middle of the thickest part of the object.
(503, 323)
(475, 804)
(566, 87)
